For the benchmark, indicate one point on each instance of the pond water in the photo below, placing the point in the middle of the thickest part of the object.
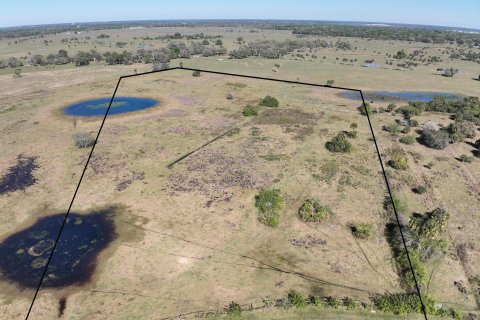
(98, 107)
(397, 96)
(19, 176)
(24, 254)
(371, 65)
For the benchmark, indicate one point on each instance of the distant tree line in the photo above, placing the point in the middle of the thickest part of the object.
(272, 49)
(427, 35)
(174, 50)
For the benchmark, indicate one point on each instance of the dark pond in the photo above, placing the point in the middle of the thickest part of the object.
(397, 96)
(24, 254)
(98, 107)
(19, 176)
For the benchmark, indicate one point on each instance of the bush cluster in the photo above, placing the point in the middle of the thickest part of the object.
(296, 299)
(399, 162)
(234, 309)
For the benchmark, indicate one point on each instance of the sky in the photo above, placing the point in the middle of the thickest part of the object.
(456, 13)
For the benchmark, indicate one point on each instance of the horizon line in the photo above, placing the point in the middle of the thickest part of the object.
(381, 23)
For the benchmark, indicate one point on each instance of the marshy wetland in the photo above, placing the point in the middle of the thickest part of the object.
(266, 204)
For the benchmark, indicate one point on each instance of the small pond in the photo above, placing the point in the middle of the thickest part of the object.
(98, 107)
(19, 176)
(397, 96)
(25, 253)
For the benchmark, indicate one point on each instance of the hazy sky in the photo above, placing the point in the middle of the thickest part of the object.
(458, 13)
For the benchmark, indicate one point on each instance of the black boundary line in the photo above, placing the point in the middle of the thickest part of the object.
(243, 76)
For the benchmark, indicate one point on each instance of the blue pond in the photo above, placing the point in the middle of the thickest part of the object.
(24, 254)
(398, 96)
(98, 107)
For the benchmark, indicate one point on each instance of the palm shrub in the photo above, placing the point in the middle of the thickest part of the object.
(234, 309)
(351, 304)
(250, 110)
(270, 203)
(362, 230)
(399, 162)
(313, 211)
(296, 299)
(339, 143)
(333, 302)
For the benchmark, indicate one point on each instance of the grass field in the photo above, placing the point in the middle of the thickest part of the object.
(189, 235)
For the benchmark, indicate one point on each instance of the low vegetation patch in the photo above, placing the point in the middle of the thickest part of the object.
(270, 203)
(313, 211)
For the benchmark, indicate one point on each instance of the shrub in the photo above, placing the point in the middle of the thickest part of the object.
(296, 299)
(420, 189)
(339, 143)
(413, 123)
(391, 107)
(196, 73)
(269, 102)
(401, 303)
(465, 158)
(333, 302)
(466, 128)
(270, 202)
(351, 304)
(408, 140)
(352, 134)
(406, 129)
(393, 128)
(399, 204)
(477, 144)
(234, 309)
(83, 140)
(330, 83)
(437, 139)
(364, 110)
(430, 225)
(457, 137)
(229, 96)
(399, 162)
(409, 111)
(406, 271)
(313, 211)
(250, 110)
(362, 230)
